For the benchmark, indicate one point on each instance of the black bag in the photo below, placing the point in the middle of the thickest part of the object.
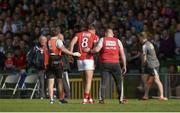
(55, 62)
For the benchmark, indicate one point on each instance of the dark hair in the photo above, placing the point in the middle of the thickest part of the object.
(91, 27)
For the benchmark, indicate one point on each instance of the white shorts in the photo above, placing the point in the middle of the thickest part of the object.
(85, 65)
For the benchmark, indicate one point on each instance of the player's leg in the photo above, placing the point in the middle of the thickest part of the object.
(83, 76)
(51, 89)
(159, 84)
(50, 77)
(87, 67)
(85, 93)
(41, 81)
(147, 86)
(61, 92)
(89, 77)
(116, 73)
(104, 78)
(148, 80)
(81, 68)
(144, 78)
(60, 86)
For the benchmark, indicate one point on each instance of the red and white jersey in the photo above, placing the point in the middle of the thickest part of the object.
(86, 39)
(110, 50)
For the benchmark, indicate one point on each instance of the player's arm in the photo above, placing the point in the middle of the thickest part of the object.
(60, 45)
(72, 43)
(96, 41)
(144, 55)
(61, 37)
(97, 48)
(123, 57)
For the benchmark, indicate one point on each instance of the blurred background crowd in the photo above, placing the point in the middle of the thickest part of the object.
(23, 21)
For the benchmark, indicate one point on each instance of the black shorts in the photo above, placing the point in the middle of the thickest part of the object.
(54, 73)
(151, 71)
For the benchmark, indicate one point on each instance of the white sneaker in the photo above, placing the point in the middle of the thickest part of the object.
(163, 98)
(85, 101)
(91, 101)
(41, 98)
(52, 101)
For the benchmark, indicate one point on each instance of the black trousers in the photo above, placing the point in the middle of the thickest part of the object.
(41, 77)
(108, 69)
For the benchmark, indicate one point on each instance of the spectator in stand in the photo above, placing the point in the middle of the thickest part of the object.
(9, 65)
(2, 51)
(17, 22)
(16, 40)
(131, 19)
(139, 22)
(173, 26)
(9, 26)
(177, 40)
(134, 54)
(167, 46)
(8, 46)
(1, 26)
(53, 10)
(156, 42)
(2, 43)
(36, 33)
(19, 61)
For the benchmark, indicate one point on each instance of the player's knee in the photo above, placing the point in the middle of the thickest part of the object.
(150, 81)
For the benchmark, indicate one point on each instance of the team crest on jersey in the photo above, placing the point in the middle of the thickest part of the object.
(110, 43)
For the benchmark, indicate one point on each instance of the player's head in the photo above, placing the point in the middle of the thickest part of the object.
(57, 30)
(142, 37)
(91, 28)
(109, 32)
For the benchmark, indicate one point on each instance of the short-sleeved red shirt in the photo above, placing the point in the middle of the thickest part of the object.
(86, 39)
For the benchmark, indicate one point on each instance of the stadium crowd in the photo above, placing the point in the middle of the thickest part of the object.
(22, 22)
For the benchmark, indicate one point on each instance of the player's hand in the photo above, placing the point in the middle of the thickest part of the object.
(124, 70)
(76, 54)
(71, 59)
(86, 49)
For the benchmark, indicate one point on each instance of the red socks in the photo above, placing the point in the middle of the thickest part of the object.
(86, 95)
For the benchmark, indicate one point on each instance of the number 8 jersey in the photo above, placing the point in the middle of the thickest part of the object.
(86, 39)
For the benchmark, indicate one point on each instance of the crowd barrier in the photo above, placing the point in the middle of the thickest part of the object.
(133, 87)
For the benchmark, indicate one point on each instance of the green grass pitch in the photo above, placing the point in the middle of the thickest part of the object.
(133, 105)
